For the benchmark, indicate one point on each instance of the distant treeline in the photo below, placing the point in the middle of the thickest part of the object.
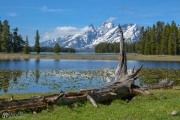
(113, 47)
(51, 49)
(107, 48)
(68, 50)
(160, 39)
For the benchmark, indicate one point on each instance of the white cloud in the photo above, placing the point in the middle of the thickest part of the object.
(46, 9)
(12, 14)
(67, 30)
(111, 18)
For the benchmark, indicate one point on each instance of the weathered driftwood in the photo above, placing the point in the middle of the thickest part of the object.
(10, 107)
(122, 88)
(162, 84)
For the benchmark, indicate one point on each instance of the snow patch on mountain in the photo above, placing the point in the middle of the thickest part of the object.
(89, 36)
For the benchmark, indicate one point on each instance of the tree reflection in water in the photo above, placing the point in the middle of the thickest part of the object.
(49, 80)
(6, 76)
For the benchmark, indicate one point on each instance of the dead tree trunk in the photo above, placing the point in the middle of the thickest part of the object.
(122, 87)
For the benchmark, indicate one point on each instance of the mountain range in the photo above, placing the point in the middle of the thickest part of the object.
(91, 36)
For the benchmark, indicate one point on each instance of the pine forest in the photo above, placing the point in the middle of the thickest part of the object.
(159, 39)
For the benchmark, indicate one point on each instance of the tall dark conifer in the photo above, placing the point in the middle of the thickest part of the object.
(164, 40)
(15, 40)
(152, 40)
(37, 46)
(20, 44)
(26, 48)
(158, 35)
(178, 46)
(147, 44)
(5, 37)
(174, 32)
(140, 44)
(1, 29)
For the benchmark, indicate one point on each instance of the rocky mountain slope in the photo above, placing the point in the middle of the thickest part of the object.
(91, 36)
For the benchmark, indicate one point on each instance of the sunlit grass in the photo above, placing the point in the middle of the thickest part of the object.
(145, 107)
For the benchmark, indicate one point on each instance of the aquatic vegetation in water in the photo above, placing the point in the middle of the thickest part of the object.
(52, 80)
(55, 80)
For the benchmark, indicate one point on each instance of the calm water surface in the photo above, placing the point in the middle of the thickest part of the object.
(49, 75)
(39, 64)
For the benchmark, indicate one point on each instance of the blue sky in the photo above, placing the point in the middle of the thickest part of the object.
(62, 17)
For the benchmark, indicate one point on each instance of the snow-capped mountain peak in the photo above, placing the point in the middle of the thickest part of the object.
(90, 36)
(89, 28)
(107, 24)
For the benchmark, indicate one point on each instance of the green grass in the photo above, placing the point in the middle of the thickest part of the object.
(142, 107)
(150, 76)
(154, 57)
(17, 56)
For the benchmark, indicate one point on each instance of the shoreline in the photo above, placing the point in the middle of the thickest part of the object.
(18, 56)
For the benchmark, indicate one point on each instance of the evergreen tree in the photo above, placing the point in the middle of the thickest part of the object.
(147, 44)
(15, 40)
(115, 48)
(174, 32)
(5, 37)
(178, 46)
(36, 46)
(152, 40)
(170, 48)
(10, 41)
(164, 41)
(26, 48)
(107, 48)
(57, 48)
(1, 29)
(158, 35)
(20, 44)
(141, 43)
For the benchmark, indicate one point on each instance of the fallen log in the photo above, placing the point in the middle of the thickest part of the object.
(162, 84)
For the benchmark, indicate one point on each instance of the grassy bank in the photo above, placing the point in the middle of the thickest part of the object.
(15, 56)
(154, 57)
(151, 76)
(153, 107)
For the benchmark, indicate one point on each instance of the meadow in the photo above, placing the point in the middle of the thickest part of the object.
(16, 56)
(141, 107)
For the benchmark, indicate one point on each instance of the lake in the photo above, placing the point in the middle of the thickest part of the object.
(49, 75)
(39, 64)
